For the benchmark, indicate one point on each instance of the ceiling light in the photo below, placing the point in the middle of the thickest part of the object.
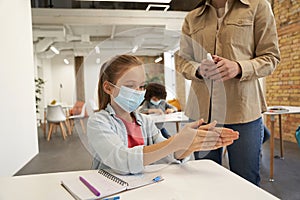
(55, 50)
(158, 59)
(166, 7)
(135, 48)
(66, 61)
(97, 50)
(140, 1)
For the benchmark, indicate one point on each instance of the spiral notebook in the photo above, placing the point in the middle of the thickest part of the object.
(106, 183)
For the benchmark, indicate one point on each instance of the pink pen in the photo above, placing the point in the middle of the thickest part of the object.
(89, 186)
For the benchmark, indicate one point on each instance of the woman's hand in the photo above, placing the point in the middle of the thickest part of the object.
(221, 69)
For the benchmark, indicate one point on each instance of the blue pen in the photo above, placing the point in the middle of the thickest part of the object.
(113, 198)
(89, 186)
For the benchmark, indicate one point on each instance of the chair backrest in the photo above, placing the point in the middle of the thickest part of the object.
(79, 109)
(55, 113)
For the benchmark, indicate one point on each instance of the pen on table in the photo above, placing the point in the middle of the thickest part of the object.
(156, 179)
(89, 186)
(113, 198)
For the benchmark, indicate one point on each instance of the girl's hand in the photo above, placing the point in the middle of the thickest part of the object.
(191, 138)
(227, 135)
(197, 137)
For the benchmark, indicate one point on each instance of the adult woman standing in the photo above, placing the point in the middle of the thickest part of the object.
(242, 36)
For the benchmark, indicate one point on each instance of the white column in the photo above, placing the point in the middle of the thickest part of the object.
(19, 141)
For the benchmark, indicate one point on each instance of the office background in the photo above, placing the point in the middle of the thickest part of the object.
(19, 67)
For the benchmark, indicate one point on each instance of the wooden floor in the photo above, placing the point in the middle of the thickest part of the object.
(58, 155)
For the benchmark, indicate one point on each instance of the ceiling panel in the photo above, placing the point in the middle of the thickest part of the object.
(145, 32)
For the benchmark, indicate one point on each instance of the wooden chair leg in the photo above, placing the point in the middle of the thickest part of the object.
(67, 123)
(63, 132)
(50, 131)
(82, 126)
(71, 123)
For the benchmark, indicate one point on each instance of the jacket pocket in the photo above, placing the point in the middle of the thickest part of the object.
(238, 32)
(240, 22)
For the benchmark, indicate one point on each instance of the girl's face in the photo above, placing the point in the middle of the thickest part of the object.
(134, 78)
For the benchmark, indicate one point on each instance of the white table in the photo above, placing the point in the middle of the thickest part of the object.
(176, 117)
(289, 110)
(201, 179)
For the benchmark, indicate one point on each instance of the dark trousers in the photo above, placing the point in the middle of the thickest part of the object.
(165, 133)
(244, 153)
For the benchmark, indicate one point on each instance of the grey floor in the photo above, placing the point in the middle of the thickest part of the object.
(58, 155)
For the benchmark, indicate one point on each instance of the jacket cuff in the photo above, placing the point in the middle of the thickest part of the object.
(195, 70)
(247, 70)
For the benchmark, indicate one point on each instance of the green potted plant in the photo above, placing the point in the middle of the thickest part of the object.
(39, 85)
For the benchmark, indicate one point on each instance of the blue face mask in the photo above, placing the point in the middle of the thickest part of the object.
(129, 99)
(155, 102)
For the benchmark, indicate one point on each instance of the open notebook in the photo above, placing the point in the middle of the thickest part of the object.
(106, 183)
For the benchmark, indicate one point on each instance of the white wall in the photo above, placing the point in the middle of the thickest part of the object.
(64, 75)
(91, 75)
(18, 133)
(170, 74)
(47, 77)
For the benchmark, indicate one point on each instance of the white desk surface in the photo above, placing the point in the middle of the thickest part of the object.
(202, 179)
(172, 117)
(290, 110)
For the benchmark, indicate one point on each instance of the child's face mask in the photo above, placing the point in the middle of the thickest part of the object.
(129, 99)
(155, 102)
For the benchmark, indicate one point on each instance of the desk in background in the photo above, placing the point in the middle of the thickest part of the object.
(176, 117)
(286, 110)
(201, 179)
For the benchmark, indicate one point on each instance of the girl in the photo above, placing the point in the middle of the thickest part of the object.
(126, 141)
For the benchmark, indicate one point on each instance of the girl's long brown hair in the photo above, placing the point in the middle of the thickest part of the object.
(111, 71)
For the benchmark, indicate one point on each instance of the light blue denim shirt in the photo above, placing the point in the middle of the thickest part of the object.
(107, 137)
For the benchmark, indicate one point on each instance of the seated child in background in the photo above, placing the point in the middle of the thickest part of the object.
(155, 103)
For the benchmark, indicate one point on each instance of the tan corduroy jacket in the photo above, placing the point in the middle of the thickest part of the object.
(248, 36)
